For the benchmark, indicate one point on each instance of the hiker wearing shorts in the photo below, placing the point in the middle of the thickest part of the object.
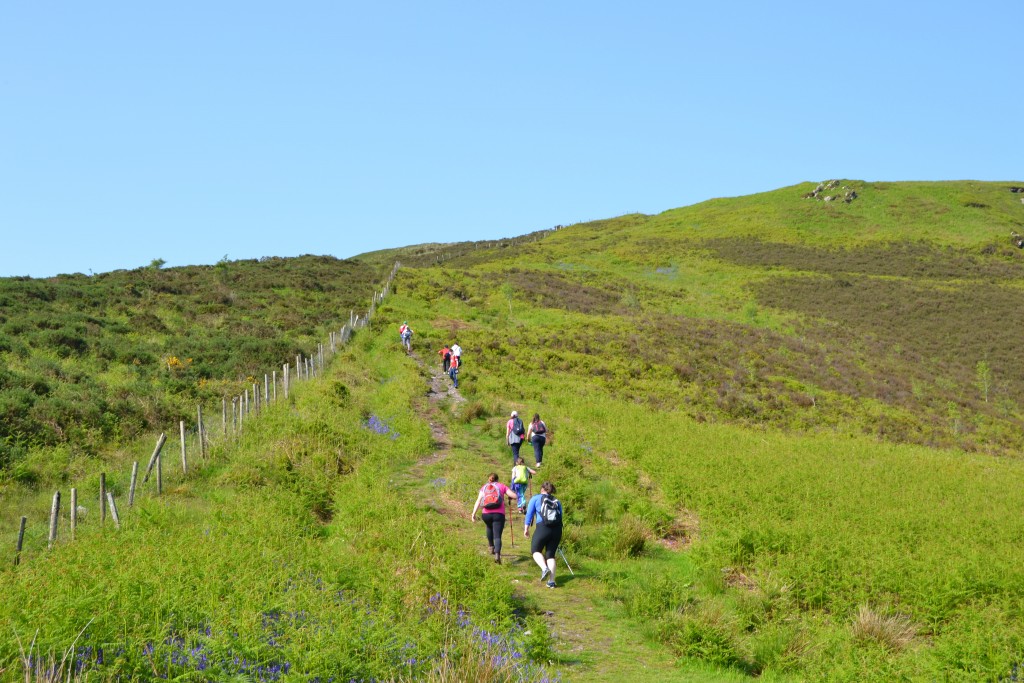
(538, 436)
(548, 511)
(521, 475)
(514, 435)
(492, 499)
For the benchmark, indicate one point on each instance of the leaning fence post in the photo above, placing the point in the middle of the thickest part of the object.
(74, 512)
(156, 455)
(184, 458)
(131, 487)
(103, 497)
(54, 514)
(113, 510)
(21, 540)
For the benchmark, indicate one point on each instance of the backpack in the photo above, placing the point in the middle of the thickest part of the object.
(549, 512)
(517, 427)
(492, 497)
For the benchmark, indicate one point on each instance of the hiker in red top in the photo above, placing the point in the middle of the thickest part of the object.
(453, 371)
(446, 357)
(492, 498)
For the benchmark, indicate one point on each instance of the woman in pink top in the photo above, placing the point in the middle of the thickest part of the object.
(492, 500)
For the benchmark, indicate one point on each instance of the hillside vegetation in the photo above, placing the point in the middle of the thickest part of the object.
(786, 435)
(90, 362)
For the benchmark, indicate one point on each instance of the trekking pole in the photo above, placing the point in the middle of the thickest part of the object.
(560, 552)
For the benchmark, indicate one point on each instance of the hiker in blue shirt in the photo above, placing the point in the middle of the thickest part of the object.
(548, 511)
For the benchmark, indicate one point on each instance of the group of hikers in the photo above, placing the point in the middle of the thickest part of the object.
(543, 508)
(537, 435)
(451, 361)
(451, 358)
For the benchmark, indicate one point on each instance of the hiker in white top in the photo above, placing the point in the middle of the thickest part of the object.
(457, 352)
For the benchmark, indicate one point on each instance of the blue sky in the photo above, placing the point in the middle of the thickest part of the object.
(190, 131)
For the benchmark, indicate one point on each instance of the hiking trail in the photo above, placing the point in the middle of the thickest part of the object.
(588, 645)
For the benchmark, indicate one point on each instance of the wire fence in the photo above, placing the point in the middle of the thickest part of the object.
(238, 414)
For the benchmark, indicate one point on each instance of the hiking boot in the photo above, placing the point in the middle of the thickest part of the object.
(551, 584)
(544, 574)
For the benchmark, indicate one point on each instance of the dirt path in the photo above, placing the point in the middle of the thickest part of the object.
(589, 645)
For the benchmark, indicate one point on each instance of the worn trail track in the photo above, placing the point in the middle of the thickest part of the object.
(589, 646)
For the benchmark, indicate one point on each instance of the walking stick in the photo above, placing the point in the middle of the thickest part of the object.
(565, 560)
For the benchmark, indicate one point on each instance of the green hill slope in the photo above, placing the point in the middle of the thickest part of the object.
(785, 432)
(90, 362)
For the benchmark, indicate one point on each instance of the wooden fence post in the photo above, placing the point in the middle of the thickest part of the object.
(256, 398)
(103, 497)
(156, 455)
(184, 458)
(201, 429)
(131, 487)
(275, 386)
(298, 366)
(54, 514)
(266, 389)
(113, 510)
(74, 512)
(21, 540)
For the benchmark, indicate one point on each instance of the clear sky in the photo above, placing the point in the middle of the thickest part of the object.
(187, 131)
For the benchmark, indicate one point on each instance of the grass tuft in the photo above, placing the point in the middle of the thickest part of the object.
(894, 632)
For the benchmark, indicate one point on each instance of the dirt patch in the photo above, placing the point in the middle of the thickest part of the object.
(684, 531)
(734, 578)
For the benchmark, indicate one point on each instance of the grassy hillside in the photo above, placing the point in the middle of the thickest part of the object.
(87, 363)
(786, 433)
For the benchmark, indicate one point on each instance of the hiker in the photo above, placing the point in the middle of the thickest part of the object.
(521, 475)
(548, 511)
(492, 499)
(453, 371)
(514, 432)
(538, 436)
(457, 352)
(405, 332)
(446, 357)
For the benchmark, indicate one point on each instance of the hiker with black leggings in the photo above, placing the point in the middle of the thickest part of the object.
(492, 500)
(548, 511)
(538, 435)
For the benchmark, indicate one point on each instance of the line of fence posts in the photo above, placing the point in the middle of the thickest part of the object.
(306, 368)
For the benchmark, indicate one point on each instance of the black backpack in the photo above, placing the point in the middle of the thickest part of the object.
(549, 512)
